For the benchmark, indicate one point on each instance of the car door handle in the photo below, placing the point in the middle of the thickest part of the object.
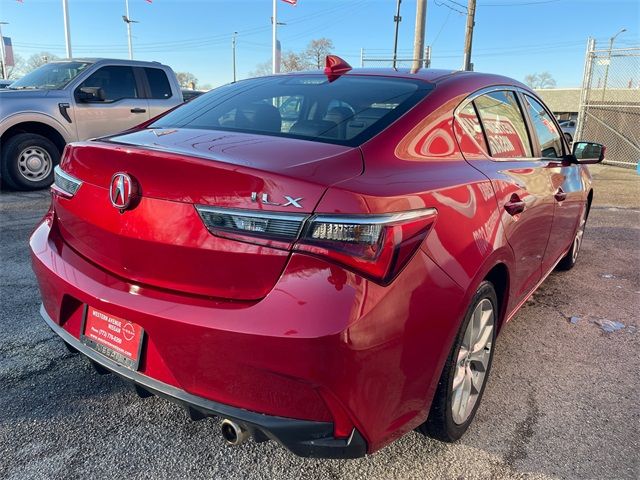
(515, 205)
(138, 110)
(560, 195)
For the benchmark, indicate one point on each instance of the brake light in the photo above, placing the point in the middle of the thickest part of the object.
(253, 225)
(65, 184)
(377, 246)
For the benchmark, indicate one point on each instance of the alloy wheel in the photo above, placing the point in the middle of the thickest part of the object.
(472, 361)
(577, 242)
(34, 163)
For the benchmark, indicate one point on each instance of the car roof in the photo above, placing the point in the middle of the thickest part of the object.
(429, 75)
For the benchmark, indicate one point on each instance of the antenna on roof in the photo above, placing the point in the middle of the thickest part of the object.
(335, 66)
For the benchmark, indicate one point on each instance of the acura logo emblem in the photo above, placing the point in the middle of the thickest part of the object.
(121, 191)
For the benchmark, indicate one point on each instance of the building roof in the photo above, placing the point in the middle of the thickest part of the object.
(561, 100)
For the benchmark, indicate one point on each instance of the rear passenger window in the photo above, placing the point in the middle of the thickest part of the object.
(548, 135)
(117, 82)
(471, 125)
(504, 125)
(158, 83)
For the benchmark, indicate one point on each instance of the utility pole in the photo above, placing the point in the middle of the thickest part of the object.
(128, 21)
(4, 59)
(468, 38)
(233, 49)
(606, 70)
(67, 32)
(397, 18)
(418, 40)
(427, 57)
(274, 38)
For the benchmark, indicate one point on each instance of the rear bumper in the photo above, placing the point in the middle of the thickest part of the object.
(328, 364)
(302, 437)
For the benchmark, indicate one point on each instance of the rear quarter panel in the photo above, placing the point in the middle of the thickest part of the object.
(414, 164)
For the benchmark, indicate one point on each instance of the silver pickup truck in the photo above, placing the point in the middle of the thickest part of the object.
(71, 100)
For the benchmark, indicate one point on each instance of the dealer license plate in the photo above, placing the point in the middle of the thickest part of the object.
(118, 339)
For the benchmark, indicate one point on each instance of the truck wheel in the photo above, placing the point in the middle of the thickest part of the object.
(465, 373)
(28, 160)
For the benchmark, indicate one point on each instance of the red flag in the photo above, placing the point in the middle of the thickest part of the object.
(291, 2)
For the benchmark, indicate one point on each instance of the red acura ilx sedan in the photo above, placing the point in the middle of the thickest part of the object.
(323, 258)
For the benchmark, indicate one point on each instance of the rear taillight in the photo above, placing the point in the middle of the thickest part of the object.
(251, 225)
(65, 184)
(377, 246)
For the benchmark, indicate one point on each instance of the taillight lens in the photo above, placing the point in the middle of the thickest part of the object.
(252, 225)
(65, 184)
(377, 246)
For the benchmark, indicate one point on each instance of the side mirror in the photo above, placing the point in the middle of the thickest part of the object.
(90, 94)
(588, 152)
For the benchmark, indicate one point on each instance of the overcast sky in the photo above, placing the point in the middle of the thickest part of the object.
(512, 37)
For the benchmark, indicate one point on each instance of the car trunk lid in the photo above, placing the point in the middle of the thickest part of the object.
(161, 240)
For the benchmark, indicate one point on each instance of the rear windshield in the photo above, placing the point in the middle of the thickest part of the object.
(347, 111)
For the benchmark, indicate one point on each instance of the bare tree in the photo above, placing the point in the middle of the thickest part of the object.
(187, 80)
(317, 50)
(17, 70)
(37, 60)
(540, 80)
(293, 62)
(312, 57)
(531, 80)
(545, 80)
(262, 69)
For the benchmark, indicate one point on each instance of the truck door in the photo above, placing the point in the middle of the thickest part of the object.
(123, 105)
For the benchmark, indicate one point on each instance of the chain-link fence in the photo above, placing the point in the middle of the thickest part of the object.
(610, 103)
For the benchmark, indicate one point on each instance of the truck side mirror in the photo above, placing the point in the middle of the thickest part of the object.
(90, 94)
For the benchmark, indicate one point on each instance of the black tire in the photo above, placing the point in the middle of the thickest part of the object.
(440, 423)
(20, 146)
(570, 259)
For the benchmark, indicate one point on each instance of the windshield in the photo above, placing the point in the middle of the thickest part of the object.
(50, 76)
(346, 111)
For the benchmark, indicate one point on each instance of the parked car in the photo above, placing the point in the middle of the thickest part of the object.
(569, 130)
(188, 94)
(70, 100)
(331, 283)
(5, 83)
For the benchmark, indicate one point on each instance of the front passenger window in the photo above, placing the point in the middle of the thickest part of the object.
(117, 82)
(548, 135)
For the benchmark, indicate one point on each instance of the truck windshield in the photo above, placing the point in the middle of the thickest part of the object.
(51, 76)
(346, 111)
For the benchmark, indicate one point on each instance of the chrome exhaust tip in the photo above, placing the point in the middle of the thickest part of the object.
(233, 433)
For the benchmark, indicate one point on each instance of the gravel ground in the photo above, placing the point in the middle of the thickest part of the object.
(562, 400)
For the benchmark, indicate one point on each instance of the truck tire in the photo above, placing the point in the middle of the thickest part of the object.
(27, 162)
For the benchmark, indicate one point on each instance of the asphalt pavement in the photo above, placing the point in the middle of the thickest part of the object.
(562, 399)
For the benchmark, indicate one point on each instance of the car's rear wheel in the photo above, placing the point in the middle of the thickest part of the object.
(569, 260)
(465, 373)
(28, 160)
